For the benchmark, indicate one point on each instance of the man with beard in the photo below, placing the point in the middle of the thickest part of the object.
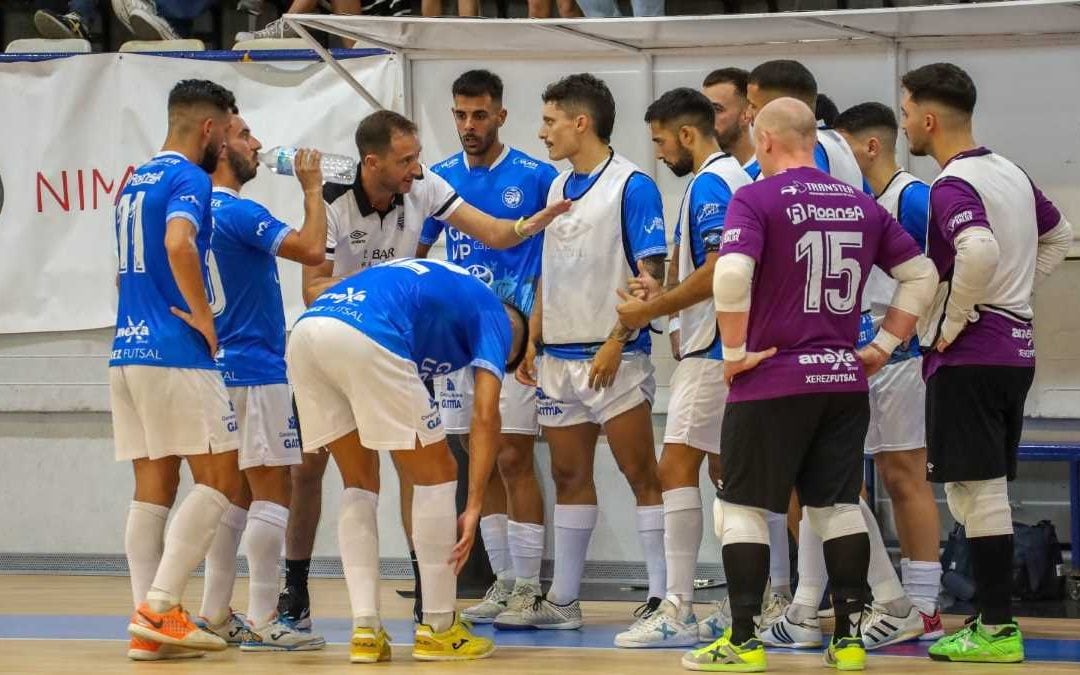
(167, 397)
(505, 182)
(993, 236)
(250, 320)
(726, 89)
(682, 126)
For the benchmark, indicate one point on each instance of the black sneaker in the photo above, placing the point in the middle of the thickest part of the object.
(54, 26)
(294, 606)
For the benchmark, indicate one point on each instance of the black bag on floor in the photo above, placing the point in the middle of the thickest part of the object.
(1038, 568)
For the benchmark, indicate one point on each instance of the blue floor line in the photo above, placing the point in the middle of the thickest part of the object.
(594, 636)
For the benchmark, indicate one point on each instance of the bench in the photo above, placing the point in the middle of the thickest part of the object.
(1042, 451)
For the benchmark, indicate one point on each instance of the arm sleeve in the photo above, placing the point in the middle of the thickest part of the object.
(1053, 247)
(261, 229)
(976, 260)
(331, 232)
(918, 281)
(643, 217)
(914, 211)
(190, 197)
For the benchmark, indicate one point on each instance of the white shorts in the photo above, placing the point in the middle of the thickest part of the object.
(344, 380)
(696, 405)
(159, 412)
(268, 435)
(897, 408)
(564, 397)
(517, 404)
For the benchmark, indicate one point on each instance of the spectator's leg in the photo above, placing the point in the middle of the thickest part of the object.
(468, 7)
(599, 8)
(648, 7)
(568, 9)
(431, 7)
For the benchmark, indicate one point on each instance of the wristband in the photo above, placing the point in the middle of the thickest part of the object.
(734, 354)
(517, 229)
(886, 341)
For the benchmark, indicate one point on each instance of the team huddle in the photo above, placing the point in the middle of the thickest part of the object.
(821, 301)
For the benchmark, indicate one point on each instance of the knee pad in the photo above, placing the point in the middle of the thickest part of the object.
(984, 505)
(735, 524)
(838, 520)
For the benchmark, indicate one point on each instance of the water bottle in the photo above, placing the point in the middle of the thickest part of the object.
(335, 168)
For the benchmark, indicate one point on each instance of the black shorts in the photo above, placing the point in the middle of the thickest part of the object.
(974, 416)
(812, 442)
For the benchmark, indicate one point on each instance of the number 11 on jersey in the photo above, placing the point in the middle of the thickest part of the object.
(129, 233)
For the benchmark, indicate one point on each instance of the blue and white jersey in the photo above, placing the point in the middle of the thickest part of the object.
(701, 215)
(433, 313)
(249, 317)
(907, 199)
(514, 186)
(169, 186)
(832, 155)
(616, 219)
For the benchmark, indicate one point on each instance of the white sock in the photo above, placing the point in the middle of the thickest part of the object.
(144, 540)
(812, 574)
(779, 554)
(186, 543)
(265, 538)
(884, 584)
(573, 529)
(922, 581)
(650, 525)
(493, 530)
(358, 540)
(526, 550)
(434, 513)
(221, 565)
(683, 528)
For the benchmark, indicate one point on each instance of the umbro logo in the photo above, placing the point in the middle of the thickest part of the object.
(357, 236)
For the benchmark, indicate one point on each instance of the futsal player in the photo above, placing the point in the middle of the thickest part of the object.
(797, 409)
(167, 397)
(505, 182)
(993, 236)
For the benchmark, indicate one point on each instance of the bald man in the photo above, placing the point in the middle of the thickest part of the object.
(797, 248)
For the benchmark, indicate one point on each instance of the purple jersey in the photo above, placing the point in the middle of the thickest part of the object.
(813, 239)
(994, 339)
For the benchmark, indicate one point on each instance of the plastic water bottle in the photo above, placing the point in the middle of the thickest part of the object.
(335, 168)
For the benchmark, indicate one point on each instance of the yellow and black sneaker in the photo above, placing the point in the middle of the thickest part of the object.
(454, 644)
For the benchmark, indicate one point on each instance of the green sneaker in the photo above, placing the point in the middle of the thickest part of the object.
(724, 657)
(974, 644)
(847, 653)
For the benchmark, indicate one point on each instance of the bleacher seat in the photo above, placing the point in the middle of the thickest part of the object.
(270, 43)
(43, 46)
(188, 45)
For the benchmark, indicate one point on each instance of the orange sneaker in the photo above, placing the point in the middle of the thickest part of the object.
(173, 627)
(146, 650)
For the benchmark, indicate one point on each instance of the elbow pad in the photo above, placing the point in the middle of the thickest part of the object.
(732, 276)
(918, 281)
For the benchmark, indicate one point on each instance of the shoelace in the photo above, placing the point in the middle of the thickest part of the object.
(646, 610)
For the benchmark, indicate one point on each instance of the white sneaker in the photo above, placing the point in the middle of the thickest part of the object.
(522, 598)
(491, 606)
(281, 636)
(786, 633)
(544, 614)
(774, 609)
(713, 626)
(149, 25)
(660, 627)
(879, 628)
(276, 29)
(123, 9)
(234, 630)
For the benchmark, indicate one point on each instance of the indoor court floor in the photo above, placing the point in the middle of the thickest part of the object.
(61, 624)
